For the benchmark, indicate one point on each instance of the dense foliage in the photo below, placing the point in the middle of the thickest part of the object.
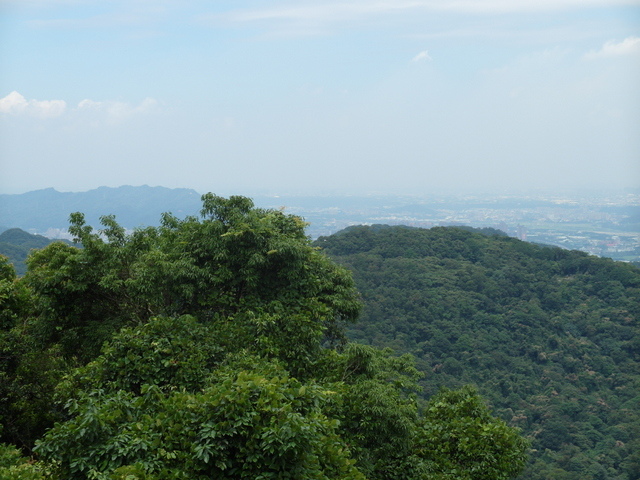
(550, 337)
(213, 347)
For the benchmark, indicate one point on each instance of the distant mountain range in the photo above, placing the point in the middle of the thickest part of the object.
(46, 211)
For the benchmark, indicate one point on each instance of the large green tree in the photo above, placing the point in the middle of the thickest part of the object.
(235, 260)
(164, 401)
(28, 373)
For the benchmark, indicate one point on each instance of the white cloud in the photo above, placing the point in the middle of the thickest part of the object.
(13, 103)
(16, 104)
(628, 46)
(108, 111)
(422, 57)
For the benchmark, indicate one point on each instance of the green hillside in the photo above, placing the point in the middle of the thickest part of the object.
(550, 337)
(16, 244)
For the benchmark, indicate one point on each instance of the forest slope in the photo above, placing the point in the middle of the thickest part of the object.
(16, 244)
(549, 336)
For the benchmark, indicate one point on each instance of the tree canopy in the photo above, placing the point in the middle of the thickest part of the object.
(214, 347)
(549, 337)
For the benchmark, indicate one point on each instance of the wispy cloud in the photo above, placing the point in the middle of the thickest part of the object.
(111, 112)
(45, 3)
(422, 57)
(130, 19)
(78, 14)
(340, 11)
(628, 46)
(117, 110)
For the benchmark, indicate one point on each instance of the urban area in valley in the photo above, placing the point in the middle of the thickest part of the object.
(598, 223)
(603, 224)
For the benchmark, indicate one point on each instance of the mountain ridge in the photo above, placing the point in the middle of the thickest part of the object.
(47, 209)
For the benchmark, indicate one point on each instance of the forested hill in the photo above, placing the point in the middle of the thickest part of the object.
(549, 336)
(16, 244)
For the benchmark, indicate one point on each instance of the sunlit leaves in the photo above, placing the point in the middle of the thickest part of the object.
(247, 424)
(461, 440)
(13, 466)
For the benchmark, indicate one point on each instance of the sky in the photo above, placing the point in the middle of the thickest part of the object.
(316, 97)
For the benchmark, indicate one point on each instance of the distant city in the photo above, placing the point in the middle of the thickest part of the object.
(601, 224)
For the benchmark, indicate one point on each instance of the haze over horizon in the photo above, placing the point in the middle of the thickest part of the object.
(349, 97)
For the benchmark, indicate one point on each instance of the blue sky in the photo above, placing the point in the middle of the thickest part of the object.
(249, 97)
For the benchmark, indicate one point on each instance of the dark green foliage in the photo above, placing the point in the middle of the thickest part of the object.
(15, 299)
(377, 410)
(28, 378)
(549, 336)
(170, 353)
(236, 260)
(28, 374)
(166, 399)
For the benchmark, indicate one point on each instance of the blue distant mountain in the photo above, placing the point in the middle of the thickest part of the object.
(43, 210)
